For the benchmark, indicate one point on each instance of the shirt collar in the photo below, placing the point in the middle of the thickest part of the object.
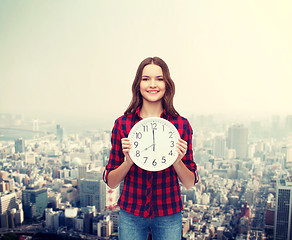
(137, 113)
(163, 114)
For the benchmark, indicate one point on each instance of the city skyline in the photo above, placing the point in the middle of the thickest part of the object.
(11, 124)
(78, 60)
(236, 194)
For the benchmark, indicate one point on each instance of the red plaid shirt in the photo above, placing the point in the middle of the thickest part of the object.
(149, 194)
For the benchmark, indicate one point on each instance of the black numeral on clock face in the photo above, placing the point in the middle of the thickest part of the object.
(170, 134)
(137, 153)
(138, 135)
(170, 153)
(146, 158)
(154, 163)
(172, 144)
(145, 128)
(163, 159)
(154, 126)
(136, 144)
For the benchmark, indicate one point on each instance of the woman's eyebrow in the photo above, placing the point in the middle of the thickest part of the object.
(149, 76)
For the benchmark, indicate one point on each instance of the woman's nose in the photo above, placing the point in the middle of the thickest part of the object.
(152, 83)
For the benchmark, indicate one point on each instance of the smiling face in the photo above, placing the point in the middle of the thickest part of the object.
(148, 68)
(152, 85)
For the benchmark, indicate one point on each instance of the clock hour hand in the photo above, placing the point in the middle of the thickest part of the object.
(148, 147)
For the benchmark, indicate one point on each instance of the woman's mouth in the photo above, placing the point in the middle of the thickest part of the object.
(153, 91)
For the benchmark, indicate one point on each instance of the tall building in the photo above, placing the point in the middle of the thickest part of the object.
(218, 147)
(19, 145)
(238, 140)
(70, 217)
(93, 193)
(115, 218)
(282, 228)
(7, 202)
(105, 227)
(34, 202)
(82, 169)
(52, 218)
(287, 150)
(88, 217)
(11, 213)
(60, 133)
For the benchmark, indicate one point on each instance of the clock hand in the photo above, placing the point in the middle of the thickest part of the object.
(148, 147)
(153, 139)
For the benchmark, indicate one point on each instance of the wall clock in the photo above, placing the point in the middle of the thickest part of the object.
(153, 144)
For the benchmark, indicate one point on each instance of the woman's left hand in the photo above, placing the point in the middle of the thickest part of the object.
(182, 147)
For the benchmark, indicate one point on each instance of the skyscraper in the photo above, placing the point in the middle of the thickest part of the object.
(60, 133)
(82, 169)
(282, 228)
(19, 145)
(34, 202)
(218, 147)
(93, 193)
(238, 140)
(7, 202)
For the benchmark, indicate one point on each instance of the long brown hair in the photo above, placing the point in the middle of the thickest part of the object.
(167, 101)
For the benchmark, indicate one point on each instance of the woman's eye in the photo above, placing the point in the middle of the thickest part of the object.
(144, 79)
(160, 79)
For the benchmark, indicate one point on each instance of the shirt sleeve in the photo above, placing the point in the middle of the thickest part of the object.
(188, 158)
(116, 155)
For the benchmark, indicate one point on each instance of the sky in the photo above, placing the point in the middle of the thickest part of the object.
(77, 60)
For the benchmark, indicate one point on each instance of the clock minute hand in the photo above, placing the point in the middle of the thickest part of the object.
(153, 139)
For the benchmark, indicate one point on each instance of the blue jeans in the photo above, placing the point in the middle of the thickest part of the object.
(132, 227)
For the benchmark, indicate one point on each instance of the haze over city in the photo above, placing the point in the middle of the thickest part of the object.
(77, 60)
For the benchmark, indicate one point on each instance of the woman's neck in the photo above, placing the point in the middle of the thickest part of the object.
(151, 109)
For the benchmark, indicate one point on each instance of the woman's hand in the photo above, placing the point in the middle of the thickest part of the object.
(115, 177)
(182, 147)
(126, 147)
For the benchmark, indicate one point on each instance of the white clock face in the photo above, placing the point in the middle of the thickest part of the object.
(153, 144)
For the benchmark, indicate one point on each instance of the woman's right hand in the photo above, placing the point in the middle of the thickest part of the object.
(116, 176)
(126, 147)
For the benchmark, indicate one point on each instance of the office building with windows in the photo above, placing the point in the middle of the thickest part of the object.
(19, 145)
(238, 140)
(282, 228)
(93, 193)
(34, 202)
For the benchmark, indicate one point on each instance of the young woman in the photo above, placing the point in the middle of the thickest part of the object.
(150, 201)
